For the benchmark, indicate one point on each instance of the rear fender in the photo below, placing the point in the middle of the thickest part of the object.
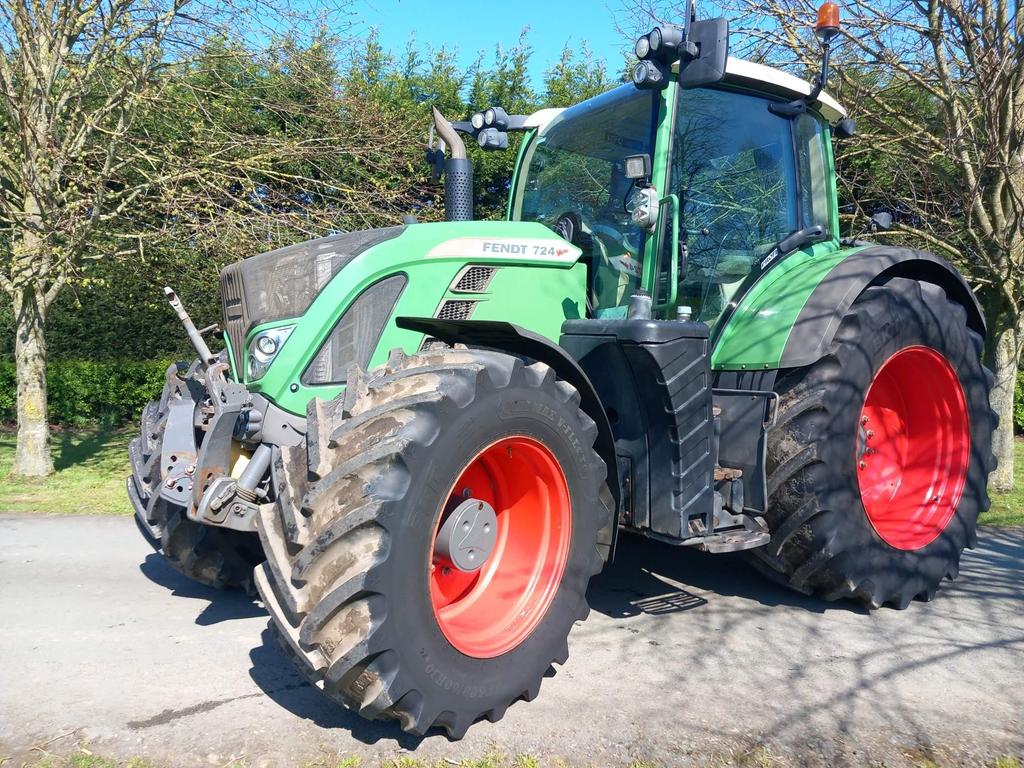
(790, 322)
(515, 340)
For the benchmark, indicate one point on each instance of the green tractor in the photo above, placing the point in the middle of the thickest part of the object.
(421, 442)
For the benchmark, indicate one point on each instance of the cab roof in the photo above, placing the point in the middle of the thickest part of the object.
(763, 78)
(745, 73)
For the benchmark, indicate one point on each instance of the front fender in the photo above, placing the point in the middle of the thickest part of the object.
(789, 318)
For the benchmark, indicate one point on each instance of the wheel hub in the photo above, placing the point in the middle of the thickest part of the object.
(500, 548)
(467, 537)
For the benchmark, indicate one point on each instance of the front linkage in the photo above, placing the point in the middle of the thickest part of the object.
(206, 446)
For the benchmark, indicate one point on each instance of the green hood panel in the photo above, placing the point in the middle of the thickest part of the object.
(538, 283)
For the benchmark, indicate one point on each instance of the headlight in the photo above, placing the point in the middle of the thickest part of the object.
(264, 348)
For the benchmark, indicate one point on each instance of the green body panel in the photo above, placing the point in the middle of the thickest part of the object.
(756, 333)
(538, 288)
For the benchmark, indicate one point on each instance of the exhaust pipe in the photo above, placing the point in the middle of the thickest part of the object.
(458, 173)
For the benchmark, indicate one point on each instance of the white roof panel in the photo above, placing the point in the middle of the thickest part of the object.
(743, 71)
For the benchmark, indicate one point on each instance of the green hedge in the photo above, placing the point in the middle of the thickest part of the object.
(85, 392)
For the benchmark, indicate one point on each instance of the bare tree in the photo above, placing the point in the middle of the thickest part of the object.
(109, 127)
(937, 89)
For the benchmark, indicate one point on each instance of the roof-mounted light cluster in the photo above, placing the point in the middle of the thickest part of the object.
(657, 51)
(490, 127)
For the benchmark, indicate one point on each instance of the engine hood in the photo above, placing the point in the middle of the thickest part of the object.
(282, 283)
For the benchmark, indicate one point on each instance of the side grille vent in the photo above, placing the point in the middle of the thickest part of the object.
(455, 310)
(233, 304)
(473, 280)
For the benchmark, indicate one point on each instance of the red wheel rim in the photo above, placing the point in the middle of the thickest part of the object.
(913, 447)
(491, 611)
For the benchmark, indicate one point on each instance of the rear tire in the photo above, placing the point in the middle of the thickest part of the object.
(216, 557)
(350, 544)
(833, 536)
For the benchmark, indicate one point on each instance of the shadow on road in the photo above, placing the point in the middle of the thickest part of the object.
(224, 604)
(275, 674)
(830, 662)
(646, 577)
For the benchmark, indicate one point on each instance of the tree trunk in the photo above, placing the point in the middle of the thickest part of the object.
(1005, 356)
(32, 457)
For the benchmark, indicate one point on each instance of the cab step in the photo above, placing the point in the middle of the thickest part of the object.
(729, 541)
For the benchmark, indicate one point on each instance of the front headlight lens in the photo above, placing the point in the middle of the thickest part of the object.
(264, 348)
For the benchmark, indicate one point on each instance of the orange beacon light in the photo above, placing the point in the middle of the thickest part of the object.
(828, 21)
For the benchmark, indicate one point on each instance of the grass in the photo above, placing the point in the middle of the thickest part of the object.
(92, 465)
(1008, 508)
(91, 468)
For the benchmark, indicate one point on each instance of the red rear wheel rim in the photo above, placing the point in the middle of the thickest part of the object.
(913, 447)
(491, 611)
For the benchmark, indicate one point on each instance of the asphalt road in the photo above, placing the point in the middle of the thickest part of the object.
(687, 659)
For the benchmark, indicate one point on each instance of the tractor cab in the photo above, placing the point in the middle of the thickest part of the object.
(730, 180)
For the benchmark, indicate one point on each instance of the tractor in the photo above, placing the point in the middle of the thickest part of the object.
(421, 442)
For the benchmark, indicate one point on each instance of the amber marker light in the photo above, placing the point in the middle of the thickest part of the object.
(828, 21)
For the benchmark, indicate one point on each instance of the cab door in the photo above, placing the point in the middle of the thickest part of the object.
(744, 179)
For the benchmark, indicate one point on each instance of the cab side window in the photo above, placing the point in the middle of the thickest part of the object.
(734, 170)
(810, 147)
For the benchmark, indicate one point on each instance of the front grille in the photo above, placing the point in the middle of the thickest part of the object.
(473, 280)
(455, 310)
(283, 283)
(235, 322)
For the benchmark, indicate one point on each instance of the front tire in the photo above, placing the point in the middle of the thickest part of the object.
(878, 464)
(353, 580)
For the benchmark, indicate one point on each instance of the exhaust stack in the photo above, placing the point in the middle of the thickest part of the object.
(458, 173)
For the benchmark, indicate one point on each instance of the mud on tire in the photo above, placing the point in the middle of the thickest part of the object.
(217, 557)
(823, 542)
(349, 541)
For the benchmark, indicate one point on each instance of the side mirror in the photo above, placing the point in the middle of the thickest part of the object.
(881, 221)
(711, 38)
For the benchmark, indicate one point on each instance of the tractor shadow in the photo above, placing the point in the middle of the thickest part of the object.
(653, 578)
(222, 604)
(276, 676)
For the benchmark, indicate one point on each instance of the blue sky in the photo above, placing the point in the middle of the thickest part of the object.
(475, 25)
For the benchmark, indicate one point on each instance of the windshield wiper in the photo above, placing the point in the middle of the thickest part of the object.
(800, 238)
(792, 242)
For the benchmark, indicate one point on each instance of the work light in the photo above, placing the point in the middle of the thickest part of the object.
(642, 47)
(649, 75)
(491, 139)
(477, 120)
(665, 42)
(496, 117)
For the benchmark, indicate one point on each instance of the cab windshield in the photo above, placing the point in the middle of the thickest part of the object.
(574, 170)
